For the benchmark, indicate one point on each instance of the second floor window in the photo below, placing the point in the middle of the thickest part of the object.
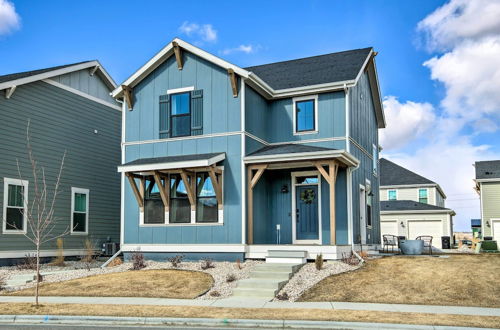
(305, 114)
(392, 195)
(422, 196)
(181, 114)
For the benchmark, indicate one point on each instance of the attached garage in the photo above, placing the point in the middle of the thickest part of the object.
(389, 228)
(428, 228)
(495, 226)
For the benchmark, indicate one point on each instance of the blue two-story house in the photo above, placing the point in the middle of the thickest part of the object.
(229, 163)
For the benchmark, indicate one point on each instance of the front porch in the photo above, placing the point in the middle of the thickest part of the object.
(298, 200)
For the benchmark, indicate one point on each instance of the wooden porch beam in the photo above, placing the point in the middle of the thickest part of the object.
(260, 171)
(162, 187)
(178, 55)
(323, 172)
(233, 80)
(189, 189)
(127, 95)
(217, 187)
(137, 193)
(9, 91)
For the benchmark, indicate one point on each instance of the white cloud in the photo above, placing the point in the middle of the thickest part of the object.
(205, 31)
(9, 19)
(405, 122)
(460, 20)
(247, 49)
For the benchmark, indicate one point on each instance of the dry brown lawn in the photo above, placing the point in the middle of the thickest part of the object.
(165, 283)
(250, 313)
(460, 280)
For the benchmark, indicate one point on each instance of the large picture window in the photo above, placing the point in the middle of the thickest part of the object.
(180, 209)
(79, 210)
(206, 200)
(14, 205)
(181, 114)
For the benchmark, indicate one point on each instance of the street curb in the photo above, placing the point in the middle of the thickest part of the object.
(243, 323)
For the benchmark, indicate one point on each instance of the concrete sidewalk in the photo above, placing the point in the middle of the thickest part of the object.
(256, 303)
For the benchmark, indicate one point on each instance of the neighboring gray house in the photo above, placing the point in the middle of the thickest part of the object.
(275, 160)
(411, 205)
(488, 186)
(70, 109)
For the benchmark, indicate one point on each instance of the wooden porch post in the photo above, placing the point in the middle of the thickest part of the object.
(138, 192)
(252, 181)
(331, 178)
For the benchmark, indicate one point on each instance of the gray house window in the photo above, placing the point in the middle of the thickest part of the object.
(79, 210)
(154, 211)
(180, 209)
(181, 114)
(15, 200)
(305, 115)
(206, 200)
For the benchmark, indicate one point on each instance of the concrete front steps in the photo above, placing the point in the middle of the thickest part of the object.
(286, 257)
(266, 280)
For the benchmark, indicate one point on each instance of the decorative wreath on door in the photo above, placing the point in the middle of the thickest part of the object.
(307, 196)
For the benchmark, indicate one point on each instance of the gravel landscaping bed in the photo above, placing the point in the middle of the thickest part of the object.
(308, 276)
(75, 269)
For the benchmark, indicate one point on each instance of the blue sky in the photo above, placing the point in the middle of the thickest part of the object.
(432, 128)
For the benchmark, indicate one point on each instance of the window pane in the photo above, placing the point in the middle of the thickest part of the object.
(154, 211)
(392, 195)
(204, 186)
(305, 115)
(180, 210)
(15, 195)
(181, 126)
(206, 209)
(14, 219)
(307, 179)
(422, 195)
(180, 104)
(177, 188)
(80, 202)
(79, 221)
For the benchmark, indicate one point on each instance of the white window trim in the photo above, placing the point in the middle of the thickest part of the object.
(375, 159)
(180, 90)
(418, 194)
(74, 191)
(294, 112)
(17, 182)
(388, 195)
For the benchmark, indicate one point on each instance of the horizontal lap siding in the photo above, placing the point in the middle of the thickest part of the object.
(491, 205)
(63, 121)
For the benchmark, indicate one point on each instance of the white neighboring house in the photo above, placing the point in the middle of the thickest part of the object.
(411, 205)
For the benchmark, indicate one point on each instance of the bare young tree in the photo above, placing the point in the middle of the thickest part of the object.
(40, 219)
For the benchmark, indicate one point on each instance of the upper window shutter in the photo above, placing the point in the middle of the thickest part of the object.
(164, 116)
(197, 112)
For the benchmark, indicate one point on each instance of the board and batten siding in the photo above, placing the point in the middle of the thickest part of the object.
(221, 116)
(490, 194)
(221, 111)
(83, 81)
(61, 120)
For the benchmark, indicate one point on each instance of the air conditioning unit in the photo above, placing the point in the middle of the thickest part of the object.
(110, 249)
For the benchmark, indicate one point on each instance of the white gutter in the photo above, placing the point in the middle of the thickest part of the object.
(303, 156)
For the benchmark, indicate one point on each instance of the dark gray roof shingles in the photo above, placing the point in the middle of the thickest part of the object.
(405, 205)
(489, 169)
(287, 149)
(392, 174)
(19, 75)
(328, 68)
(171, 159)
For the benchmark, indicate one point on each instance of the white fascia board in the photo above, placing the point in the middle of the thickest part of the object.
(57, 72)
(365, 63)
(301, 156)
(418, 212)
(172, 165)
(488, 180)
(165, 53)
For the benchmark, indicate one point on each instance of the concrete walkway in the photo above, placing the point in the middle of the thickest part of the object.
(257, 303)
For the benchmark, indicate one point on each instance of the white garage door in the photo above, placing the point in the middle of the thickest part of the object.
(496, 230)
(388, 228)
(429, 228)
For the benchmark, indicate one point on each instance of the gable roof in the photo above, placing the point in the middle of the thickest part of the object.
(487, 169)
(26, 77)
(315, 70)
(392, 174)
(405, 205)
(336, 71)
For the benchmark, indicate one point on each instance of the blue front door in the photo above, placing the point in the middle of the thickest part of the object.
(307, 219)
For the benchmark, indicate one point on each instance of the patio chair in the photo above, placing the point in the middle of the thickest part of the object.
(389, 240)
(427, 242)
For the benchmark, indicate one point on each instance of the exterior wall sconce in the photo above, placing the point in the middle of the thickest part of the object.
(284, 189)
(488, 223)
(402, 224)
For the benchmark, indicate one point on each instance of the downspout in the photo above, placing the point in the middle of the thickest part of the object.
(350, 170)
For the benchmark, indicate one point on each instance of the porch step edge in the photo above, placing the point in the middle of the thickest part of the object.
(279, 260)
(286, 253)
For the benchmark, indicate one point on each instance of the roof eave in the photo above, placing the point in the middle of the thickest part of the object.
(343, 155)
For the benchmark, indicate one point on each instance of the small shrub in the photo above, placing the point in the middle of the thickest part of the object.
(230, 278)
(363, 254)
(282, 296)
(350, 259)
(90, 253)
(138, 261)
(176, 261)
(318, 262)
(489, 245)
(207, 263)
(59, 259)
(28, 262)
(215, 293)
(115, 262)
(238, 264)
